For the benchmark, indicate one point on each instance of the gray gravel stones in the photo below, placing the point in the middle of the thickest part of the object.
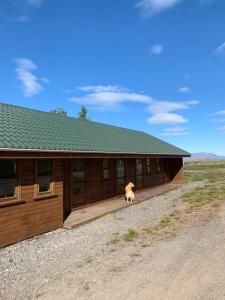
(83, 259)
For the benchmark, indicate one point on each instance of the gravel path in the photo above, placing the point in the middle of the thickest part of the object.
(89, 263)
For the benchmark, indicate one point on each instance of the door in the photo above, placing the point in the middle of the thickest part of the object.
(139, 174)
(78, 183)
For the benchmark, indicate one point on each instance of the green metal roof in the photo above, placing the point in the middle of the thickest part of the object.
(28, 129)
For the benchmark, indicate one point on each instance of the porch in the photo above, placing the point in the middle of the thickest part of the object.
(97, 210)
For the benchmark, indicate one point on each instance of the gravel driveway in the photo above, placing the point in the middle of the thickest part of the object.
(90, 262)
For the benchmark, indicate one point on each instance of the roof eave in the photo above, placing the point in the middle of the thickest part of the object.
(91, 152)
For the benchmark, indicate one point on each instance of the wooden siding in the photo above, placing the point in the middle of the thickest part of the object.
(34, 215)
(30, 216)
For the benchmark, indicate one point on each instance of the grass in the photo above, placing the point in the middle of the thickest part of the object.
(88, 259)
(202, 167)
(130, 235)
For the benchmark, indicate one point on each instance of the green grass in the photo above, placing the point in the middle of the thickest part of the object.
(203, 166)
(130, 235)
(88, 259)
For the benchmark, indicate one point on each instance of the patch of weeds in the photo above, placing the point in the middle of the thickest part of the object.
(216, 204)
(165, 222)
(130, 235)
(148, 230)
(88, 259)
(134, 255)
(114, 269)
(175, 214)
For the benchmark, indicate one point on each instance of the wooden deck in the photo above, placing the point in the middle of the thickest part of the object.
(92, 212)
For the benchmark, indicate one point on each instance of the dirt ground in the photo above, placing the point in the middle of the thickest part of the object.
(189, 265)
(162, 248)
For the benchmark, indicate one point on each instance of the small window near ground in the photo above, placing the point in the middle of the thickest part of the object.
(105, 166)
(8, 178)
(120, 172)
(44, 174)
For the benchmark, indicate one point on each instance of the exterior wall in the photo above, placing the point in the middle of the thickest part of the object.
(29, 216)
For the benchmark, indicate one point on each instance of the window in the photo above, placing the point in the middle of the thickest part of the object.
(106, 166)
(44, 175)
(78, 177)
(120, 172)
(8, 178)
(139, 171)
(148, 166)
(154, 166)
(158, 166)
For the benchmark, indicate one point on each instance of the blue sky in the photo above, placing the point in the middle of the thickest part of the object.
(151, 65)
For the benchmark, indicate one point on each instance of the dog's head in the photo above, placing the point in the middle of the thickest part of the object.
(131, 184)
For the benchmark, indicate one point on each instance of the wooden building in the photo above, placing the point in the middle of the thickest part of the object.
(51, 164)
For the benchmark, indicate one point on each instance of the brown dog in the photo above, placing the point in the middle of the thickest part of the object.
(129, 194)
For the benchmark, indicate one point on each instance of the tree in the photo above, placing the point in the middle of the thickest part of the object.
(59, 111)
(83, 113)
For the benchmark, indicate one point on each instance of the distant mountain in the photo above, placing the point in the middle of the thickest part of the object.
(205, 155)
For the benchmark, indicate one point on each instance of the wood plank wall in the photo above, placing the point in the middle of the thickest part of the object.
(31, 217)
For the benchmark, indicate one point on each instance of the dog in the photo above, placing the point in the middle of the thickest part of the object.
(129, 194)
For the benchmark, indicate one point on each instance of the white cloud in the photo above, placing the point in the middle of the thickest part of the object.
(220, 113)
(156, 49)
(220, 50)
(166, 119)
(152, 7)
(112, 97)
(29, 82)
(101, 88)
(162, 115)
(184, 90)
(108, 97)
(175, 131)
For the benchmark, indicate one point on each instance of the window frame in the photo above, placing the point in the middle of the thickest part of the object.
(103, 170)
(15, 181)
(37, 192)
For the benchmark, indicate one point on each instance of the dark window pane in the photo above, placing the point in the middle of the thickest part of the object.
(44, 184)
(120, 163)
(139, 166)
(106, 174)
(154, 166)
(148, 166)
(77, 187)
(120, 181)
(7, 190)
(7, 169)
(158, 166)
(44, 167)
(78, 165)
(105, 168)
(78, 170)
